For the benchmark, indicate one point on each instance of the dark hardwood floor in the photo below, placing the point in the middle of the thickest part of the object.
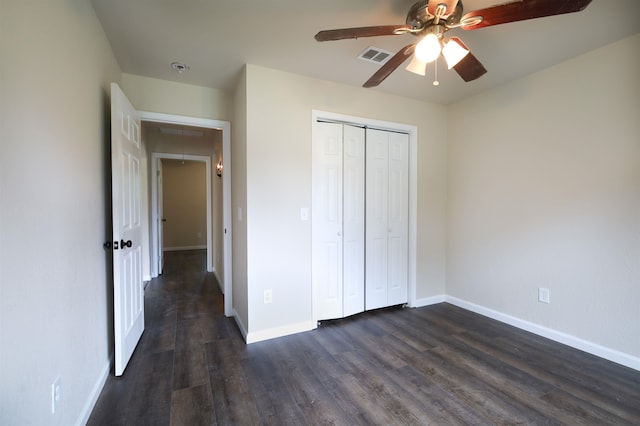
(434, 365)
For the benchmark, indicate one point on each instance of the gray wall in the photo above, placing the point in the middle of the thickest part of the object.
(544, 191)
(55, 288)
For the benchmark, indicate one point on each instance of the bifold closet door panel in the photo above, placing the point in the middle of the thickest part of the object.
(326, 221)
(398, 219)
(337, 220)
(376, 218)
(353, 219)
(386, 217)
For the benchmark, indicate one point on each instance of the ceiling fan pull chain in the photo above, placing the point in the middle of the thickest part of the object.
(435, 70)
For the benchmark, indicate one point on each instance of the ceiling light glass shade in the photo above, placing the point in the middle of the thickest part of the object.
(453, 53)
(417, 67)
(428, 49)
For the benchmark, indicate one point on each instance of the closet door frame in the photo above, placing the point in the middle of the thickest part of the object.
(412, 131)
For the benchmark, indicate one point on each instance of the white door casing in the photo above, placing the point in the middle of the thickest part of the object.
(225, 127)
(128, 287)
(160, 216)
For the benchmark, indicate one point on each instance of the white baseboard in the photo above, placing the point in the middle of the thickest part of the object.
(184, 248)
(241, 326)
(85, 413)
(220, 283)
(428, 301)
(558, 336)
(272, 333)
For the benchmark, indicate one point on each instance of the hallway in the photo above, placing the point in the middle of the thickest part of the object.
(168, 374)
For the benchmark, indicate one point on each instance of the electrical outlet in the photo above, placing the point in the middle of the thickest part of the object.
(55, 395)
(543, 295)
(268, 296)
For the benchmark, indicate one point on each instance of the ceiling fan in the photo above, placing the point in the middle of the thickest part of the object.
(429, 20)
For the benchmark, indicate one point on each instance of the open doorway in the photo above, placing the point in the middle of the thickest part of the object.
(188, 206)
(208, 142)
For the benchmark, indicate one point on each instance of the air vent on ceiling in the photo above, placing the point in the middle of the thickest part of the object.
(375, 55)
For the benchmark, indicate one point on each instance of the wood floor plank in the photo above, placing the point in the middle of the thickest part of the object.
(190, 368)
(442, 405)
(403, 327)
(269, 388)
(583, 411)
(192, 406)
(381, 356)
(524, 393)
(151, 405)
(392, 394)
(232, 401)
(367, 407)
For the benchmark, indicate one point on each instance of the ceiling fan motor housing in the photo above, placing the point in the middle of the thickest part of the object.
(419, 17)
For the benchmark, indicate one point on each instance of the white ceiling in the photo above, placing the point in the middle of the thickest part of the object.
(217, 37)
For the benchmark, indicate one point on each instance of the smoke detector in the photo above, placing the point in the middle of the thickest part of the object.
(179, 67)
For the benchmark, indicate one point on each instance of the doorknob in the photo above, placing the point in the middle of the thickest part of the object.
(107, 245)
(124, 243)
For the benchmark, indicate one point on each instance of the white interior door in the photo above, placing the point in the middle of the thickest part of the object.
(160, 218)
(398, 217)
(377, 192)
(353, 220)
(326, 221)
(128, 299)
(387, 219)
(338, 220)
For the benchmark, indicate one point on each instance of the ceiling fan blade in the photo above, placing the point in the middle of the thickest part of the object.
(450, 4)
(469, 68)
(344, 33)
(522, 10)
(390, 66)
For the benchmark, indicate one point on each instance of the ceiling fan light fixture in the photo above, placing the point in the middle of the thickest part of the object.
(453, 53)
(417, 67)
(428, 49)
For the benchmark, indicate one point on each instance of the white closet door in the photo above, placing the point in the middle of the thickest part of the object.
(326, 221)
(377, 193)
(398, 245)
(353, 220)
(387, 184)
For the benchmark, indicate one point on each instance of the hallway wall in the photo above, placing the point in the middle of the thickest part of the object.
(185, 208)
